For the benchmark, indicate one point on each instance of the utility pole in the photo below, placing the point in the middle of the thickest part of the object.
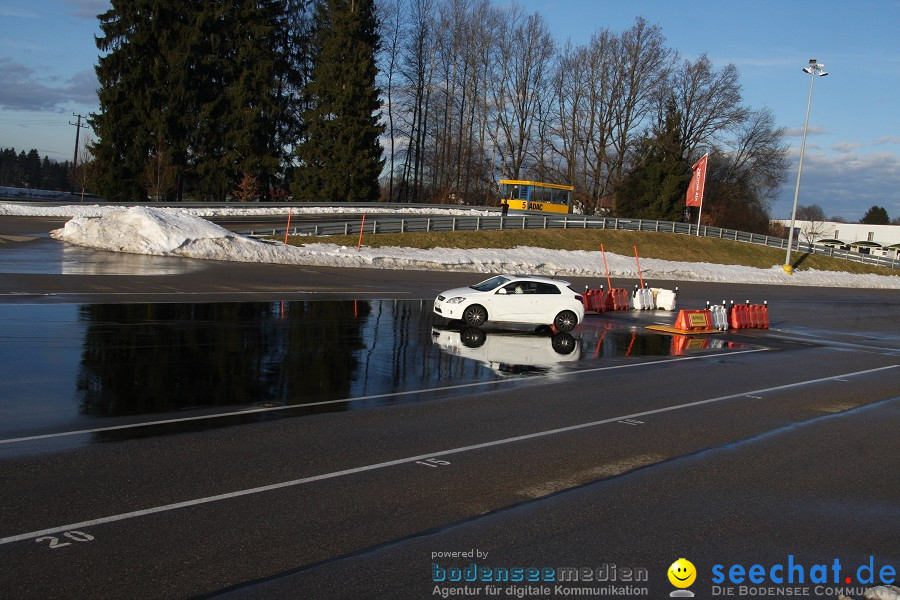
(78, 127)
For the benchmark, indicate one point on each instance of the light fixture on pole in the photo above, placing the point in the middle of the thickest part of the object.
(815, 69)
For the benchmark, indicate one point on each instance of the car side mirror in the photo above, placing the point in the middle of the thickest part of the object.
(502, 291)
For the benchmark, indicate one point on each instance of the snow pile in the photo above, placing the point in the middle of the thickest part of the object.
(170, 232)
(96, 210)
(881, 592)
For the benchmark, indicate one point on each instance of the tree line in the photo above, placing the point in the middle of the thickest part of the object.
(417, 101)
(29, 170)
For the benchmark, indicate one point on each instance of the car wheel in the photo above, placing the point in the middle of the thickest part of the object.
(563, 343)
(565, 321)
(472, 338)
(475, 316)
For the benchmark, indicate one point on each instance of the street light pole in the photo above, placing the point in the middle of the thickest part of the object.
(815, 69)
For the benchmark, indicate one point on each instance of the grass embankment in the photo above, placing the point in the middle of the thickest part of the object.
(666, 246)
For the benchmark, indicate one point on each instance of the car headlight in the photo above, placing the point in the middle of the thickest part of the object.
(456, 300)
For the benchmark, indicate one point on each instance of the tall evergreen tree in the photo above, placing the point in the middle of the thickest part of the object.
(130, 94)
(656, 185)
(340, 157)
(876, 215)
(192, 85)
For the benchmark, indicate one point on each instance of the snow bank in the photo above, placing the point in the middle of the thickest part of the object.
(96, 210)
(171, 232)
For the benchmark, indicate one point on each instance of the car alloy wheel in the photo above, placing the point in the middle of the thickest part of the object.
(475, 316)
(565, 321)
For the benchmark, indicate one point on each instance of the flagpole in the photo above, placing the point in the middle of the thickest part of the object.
(699, 214)
(702, 190)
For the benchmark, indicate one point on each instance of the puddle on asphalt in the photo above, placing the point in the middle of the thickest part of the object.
(42, 254)
(72, 367)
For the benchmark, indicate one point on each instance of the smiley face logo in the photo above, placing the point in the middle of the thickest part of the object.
(682, 573)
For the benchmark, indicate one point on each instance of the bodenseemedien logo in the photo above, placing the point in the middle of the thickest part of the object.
(682, 574)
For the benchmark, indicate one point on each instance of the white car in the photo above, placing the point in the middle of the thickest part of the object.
(509, 353)
(513, 299)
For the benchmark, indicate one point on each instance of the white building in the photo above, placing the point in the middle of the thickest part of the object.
(883, 240)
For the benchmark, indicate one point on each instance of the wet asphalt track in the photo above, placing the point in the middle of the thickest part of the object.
(782, 444)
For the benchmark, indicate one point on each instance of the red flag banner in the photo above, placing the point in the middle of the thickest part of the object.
(695, 190)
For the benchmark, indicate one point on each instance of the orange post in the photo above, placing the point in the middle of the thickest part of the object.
(288, 228)
(361, 226)
(606, 267)
(640, 277)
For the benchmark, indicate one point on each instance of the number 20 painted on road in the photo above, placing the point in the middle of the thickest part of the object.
(77, 536)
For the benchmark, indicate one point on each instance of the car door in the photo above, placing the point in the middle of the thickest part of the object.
(514, 302)
(547, 303)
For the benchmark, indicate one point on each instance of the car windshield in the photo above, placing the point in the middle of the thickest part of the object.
(489, 284)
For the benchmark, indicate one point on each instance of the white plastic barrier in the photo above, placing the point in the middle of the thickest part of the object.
(665, 299)
(642, 299)
(719, 316)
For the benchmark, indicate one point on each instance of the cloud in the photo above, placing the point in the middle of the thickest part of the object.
(798, 131)
(845, 147)
(88, 9)
(845, 185)
(887, 139)
(21, 89)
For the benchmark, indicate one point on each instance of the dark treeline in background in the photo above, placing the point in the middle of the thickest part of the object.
(426, 101)
(29, 170)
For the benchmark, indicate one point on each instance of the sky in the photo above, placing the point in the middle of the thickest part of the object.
(852, 157)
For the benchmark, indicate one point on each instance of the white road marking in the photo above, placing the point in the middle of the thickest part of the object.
(251, 411)
(411, 459)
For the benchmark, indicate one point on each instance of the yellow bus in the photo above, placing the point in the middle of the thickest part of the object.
(536, 195)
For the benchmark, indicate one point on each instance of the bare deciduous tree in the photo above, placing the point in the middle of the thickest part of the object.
(160, 174)
(709, 101)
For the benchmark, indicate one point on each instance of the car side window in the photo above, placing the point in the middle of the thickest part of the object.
(547, 288)
(521, 287)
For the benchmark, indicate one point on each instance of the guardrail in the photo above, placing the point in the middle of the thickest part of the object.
(391, 224)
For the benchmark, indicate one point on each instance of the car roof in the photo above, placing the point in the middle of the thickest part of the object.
(534, 278)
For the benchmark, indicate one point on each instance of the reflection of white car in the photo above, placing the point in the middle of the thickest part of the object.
(513, 299)
(509, 352)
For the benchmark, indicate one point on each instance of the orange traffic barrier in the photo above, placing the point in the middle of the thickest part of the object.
(760, 315)
(617, 299)
(755, 316)
(737, 316)
(749, 316)
(693, 319)
(594, 300)
(598, 300)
